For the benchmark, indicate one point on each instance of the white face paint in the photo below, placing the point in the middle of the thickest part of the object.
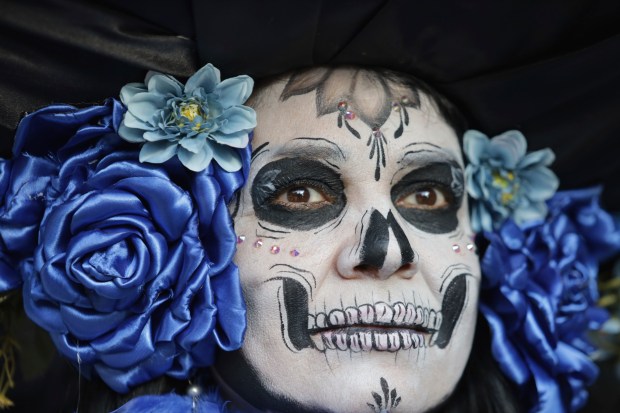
(379, 307)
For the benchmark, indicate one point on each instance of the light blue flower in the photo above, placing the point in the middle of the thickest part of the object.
(198, 122)
(504, 181)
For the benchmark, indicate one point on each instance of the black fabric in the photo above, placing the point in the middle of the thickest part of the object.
(549, 68)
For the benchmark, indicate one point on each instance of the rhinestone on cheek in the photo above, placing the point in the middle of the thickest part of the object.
(343, 106)
(456, 248)
(240, 239)
(349, 115)
(470, 247)
(258, 243)
(294, 252)
(274, 249)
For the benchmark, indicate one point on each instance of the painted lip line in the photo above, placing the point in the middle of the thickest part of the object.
(381, 328)
(379, 314)
(365, 339)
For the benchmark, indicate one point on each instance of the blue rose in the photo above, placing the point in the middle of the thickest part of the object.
(198, 122)
(26, 179)
(133, 275)
(539, 296)
(504, 181)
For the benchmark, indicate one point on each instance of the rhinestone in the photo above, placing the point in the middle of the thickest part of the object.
(295, 252)
(194, 391)
(470, 247)
(343, 106)
(258, 243)
(396, 106)
(456, 248)
(240, 239)
(275, 249)
(349, 115)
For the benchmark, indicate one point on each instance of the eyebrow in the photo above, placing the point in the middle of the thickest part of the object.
(311, 147)
(424, 153)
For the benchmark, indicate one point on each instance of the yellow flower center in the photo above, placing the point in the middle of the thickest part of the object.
(506, 181)
(190, 111)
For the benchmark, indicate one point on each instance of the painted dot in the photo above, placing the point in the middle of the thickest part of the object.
(258, 243)
(240, 239)
(275, 249)
(295, 252)
(456, 248)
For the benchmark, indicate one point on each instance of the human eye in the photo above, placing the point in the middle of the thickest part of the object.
(302, 196)
(426, 196)
(297, 193)
(430, 196)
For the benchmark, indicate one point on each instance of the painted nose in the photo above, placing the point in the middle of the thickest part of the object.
(382, 251)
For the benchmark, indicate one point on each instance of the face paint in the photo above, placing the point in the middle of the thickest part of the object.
(275, 199)
(430, 197)
(379, 291)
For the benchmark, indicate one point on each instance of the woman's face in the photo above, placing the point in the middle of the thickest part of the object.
(357, 263)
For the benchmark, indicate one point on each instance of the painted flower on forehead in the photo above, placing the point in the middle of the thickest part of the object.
(505, 181)
(198, 122)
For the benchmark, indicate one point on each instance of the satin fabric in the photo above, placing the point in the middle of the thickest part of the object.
(130, 266)
(539, 297)
(549, 69)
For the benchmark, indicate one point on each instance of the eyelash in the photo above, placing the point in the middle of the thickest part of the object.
(322, 189)
(449, 198)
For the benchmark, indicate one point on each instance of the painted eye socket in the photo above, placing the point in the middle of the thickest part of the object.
(301, 197)
(427, 197)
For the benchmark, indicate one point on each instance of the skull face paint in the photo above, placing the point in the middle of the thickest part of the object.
(378, 294)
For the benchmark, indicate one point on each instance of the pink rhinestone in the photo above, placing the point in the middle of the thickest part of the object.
(342, 106)
(456, 248)
(470, 247)
(294, 252)
(376, 132)
(275, 249)
(258, 243)
(349, 115)
(240, 239)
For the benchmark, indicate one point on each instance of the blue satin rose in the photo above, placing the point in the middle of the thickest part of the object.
(539, 296)
(505, 181)
(133, 275)
(204, 119)
(26, 179)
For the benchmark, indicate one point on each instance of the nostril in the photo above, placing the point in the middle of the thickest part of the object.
(365, 269)
(406, 267)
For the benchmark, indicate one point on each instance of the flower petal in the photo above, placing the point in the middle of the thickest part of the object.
(130, 90)
(131, 121)
(238, 118)
(144, 106)
(508, 148)
(236, 140)
(164, 85)
(196, 161)
(131, 134)
(207, 77)
(475, 143)
(226, 157)
(193, 144)
(539, 184)
(157, 152)
(234, 91)
(542, 157)
(157, 135)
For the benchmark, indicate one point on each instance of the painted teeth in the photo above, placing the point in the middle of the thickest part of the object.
(391, 341)
(380, 313)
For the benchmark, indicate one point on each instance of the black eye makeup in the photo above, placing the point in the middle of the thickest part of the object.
(429, 197)
(297, 193)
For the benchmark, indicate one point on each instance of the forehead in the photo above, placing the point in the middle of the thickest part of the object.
(308, 122)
